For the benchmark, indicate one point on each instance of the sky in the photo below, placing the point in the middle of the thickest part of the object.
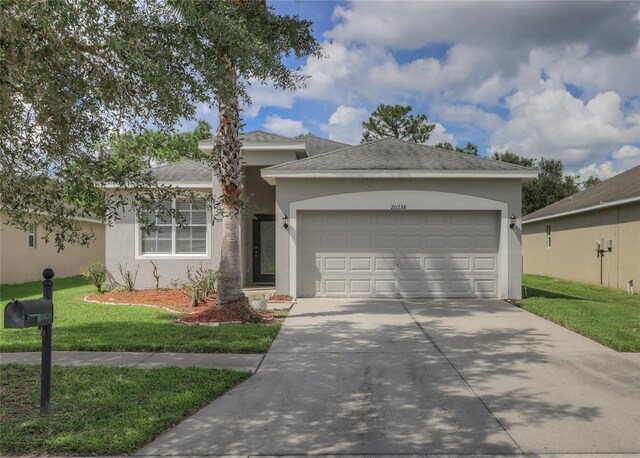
(540, 79)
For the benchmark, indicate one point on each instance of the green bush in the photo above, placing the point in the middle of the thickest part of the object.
(95, 273)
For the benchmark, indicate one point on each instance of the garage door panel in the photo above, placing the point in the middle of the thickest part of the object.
(417, 254)
(410, 264)
(385, 285)
(385, 263)
(335, 264)
(458, 264)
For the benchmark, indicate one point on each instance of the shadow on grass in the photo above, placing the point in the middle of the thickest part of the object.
(530, 292)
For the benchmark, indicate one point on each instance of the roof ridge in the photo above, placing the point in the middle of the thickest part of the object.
(298, 161)
(171, 164)
(311, 134)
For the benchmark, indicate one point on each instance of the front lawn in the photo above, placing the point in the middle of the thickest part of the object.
(101, 410)
(607, 315)
(79, 325)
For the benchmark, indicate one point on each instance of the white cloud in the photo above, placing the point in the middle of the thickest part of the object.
(284, 126)
(266, 96)
(628, 152)
(439, 135)
(511, 24)
(603, 171)
(469, 115)
(553, 123)
(345, 124)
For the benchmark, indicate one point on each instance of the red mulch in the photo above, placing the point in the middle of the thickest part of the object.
(170, 298)
(231, 312)
(280, 298)
(173, 299)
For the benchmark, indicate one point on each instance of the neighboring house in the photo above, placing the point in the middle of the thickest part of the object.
(571, 238)
(24, 255)
(384, 218)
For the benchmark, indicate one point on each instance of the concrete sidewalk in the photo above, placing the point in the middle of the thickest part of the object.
(241, 362)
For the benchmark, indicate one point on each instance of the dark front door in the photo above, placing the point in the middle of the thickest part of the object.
(264, 249)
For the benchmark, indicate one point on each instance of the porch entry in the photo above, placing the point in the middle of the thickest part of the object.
(264, 249)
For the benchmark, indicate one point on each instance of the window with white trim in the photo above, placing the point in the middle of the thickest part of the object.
(548, 236)
(172, 238)
(31, 235)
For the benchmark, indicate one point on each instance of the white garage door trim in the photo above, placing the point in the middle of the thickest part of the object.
(411, 200)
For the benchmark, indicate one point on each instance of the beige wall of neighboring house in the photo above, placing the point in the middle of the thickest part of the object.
(572, 254)
(21, 263)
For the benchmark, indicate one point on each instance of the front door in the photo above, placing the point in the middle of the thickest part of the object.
(264, 249)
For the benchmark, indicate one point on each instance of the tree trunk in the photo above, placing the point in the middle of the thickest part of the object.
(229, 172)
(230, 279)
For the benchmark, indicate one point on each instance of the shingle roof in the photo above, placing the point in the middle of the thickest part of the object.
(319, 145)
(260, 136)
(186, 171)
(394, 154)
(625, 185)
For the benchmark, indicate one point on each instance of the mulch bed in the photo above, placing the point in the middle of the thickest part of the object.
(172, 299)
(231, 314)
(280, 298)
(175, 300)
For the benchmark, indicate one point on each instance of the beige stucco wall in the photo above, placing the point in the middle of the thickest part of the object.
(19, 263)
(572, 255)
(500, 190)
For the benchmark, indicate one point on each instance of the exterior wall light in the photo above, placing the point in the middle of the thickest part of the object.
(513, 221)
(286, 221)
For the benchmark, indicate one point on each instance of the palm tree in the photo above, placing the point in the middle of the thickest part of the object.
(229, 172)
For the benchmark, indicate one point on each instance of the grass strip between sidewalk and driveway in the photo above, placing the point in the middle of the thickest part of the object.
(607, 315)
(101, 410)
(83, 326)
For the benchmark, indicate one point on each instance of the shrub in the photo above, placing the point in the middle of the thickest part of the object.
(128, 277)
(198, 285)
(95, 273)
(156, 274)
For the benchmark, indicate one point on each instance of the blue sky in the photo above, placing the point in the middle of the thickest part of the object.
(536, 78)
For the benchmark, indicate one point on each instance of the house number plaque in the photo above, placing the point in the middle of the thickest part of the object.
(398, 207)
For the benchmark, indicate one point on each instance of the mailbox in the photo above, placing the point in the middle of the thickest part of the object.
(28, 313)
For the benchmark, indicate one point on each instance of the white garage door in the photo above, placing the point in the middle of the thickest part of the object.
(407, 253)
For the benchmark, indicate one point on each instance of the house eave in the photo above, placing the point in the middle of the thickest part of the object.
(271, 175)
(613, 203)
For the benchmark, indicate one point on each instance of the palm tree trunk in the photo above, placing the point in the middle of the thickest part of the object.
(229, 172)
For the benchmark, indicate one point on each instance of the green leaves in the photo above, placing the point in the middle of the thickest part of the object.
(396, 121)
(550, 186)
(74, 74)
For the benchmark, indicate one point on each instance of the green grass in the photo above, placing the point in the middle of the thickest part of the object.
(79, 325)
(101, 410)
(607, 315)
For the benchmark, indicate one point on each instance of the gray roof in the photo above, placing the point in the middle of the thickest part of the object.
(394, 154)
(260, 136)
(186, 171)
(625, 185)
(319, 145)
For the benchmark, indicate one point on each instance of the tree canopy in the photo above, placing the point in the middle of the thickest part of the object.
(550, 186)
(469, 149)
(398, 122)
(153, 147)
(73, 74)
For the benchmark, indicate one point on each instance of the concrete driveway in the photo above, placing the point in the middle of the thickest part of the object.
(428, 376)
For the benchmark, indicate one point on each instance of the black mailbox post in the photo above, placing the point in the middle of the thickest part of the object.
(31, 313)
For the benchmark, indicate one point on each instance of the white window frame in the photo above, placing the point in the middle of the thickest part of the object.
(31, 232)
(173, 254)
(548, 234)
